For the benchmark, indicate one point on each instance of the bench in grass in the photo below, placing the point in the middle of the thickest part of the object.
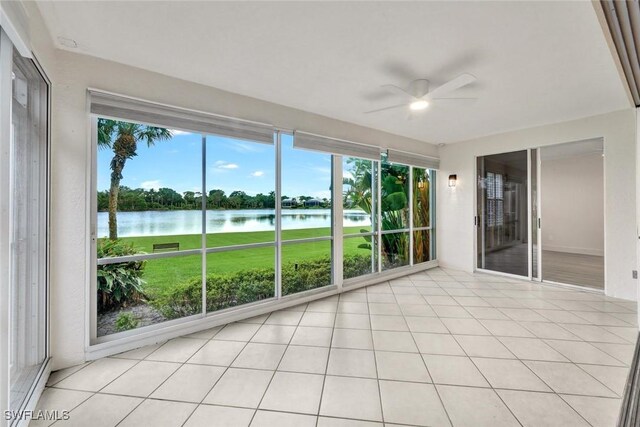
(166, 246)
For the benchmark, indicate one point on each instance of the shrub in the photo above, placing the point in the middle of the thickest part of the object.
(223, 291)
(356, 265)
(126, 321)
(232, 289)
(306, 275)
(119, 284)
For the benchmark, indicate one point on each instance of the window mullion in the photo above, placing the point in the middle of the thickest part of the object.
(411, 242)
(337, 261)
(278, 212)
(203, 200)
(379, 220)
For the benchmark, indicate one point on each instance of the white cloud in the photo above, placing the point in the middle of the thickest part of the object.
(243, 147)
(257, 174)
(176, 132)
(150, 185)
(221, 164)
(229, 166)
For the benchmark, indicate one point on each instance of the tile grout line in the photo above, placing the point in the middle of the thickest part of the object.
(487, 381)
(326, 367)
(386, 351)
(375, 359)
(225, 370)
(444, 408)
(113, 380)
(275, 371)
(166, 379)
(369, 378)
(575, 410)
(184, 363)
(568, 360)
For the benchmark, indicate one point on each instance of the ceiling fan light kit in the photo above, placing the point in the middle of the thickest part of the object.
(419, 97)
(418, 105)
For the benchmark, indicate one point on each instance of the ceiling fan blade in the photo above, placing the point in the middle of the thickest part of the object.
(385, 108)
(454, 99)
(451, 85)
(398, 91)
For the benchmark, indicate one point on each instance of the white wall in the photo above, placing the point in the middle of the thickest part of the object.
(455, 209)
(572, 196)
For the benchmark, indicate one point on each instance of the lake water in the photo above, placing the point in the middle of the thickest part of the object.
(163, 223)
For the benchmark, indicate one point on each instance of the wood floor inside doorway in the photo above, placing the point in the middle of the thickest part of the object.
(574, 269)
(561, 267)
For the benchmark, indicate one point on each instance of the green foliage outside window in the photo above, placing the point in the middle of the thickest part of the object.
(119, 284)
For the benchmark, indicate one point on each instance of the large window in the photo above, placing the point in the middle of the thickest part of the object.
(360, 213)
(404, 232)
(149, 203)
(240, 222)
(422, 186)
(194, 223)
(306, 218)
(394, 215)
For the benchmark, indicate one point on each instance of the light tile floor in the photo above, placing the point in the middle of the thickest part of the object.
(437, 348)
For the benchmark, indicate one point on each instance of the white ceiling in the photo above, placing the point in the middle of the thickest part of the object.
(536, 62)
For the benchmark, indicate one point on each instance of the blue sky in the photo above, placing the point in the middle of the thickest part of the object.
(231, 165)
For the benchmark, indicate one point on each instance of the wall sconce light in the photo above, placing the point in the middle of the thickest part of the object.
(452, 180)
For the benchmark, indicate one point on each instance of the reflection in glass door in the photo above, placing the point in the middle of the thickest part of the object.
(27, 219)
(534, 207)
(502, 213)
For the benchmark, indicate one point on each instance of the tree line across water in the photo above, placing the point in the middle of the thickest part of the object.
(140, 199)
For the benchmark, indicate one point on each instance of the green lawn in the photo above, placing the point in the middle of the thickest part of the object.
(160, 274)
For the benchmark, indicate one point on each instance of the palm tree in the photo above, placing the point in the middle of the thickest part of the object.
(359, 184)
(123, 138)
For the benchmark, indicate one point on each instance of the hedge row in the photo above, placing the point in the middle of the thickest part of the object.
(233, 289)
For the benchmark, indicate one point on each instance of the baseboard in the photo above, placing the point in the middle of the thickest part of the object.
(451, 266)
(572, 250)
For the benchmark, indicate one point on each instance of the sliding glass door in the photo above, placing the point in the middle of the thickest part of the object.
(503, 243)
(513, 189)
(24, 221)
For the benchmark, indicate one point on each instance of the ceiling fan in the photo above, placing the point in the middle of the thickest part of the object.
(418, 96)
